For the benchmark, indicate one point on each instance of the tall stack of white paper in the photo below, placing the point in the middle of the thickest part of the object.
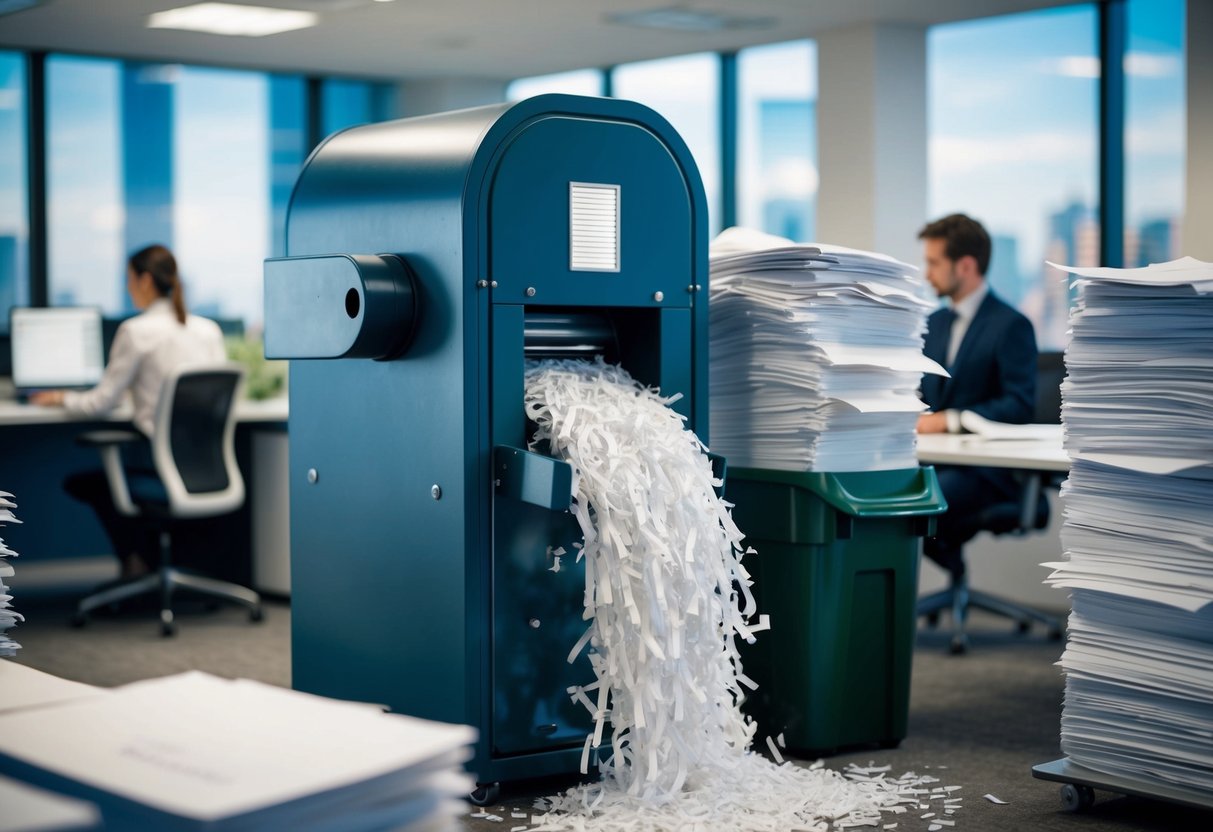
(194, 751)
(8, 616)
(1138, 535)
(816, 355)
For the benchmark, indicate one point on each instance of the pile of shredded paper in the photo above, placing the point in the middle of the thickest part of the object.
(666, 595)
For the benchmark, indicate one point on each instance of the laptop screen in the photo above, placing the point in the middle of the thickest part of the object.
(56, 347)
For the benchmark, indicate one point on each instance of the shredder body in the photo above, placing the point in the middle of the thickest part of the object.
(427, 258)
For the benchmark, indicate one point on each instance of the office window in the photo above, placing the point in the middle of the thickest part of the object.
(1013, 131)
(777, 139)
(577, 82)
(344, 103)
(86, 216)
(686, 91)
(1155, 130)
(201, 160)
(221, 189)
(288, 148)
(14, 197)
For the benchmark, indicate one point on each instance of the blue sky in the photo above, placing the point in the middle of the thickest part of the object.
(1013, 118)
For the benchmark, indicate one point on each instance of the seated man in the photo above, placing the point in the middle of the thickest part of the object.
(990, 350)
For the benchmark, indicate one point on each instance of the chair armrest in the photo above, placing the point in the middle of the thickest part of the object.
(101, 438)
(109, 444)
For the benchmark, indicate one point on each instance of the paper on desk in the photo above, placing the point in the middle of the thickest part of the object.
(7, 516)
(24, 808)
(206, 748)
(25, 687)
(1142, 463)
(987, 429)
(1186, 271)
(904, 360)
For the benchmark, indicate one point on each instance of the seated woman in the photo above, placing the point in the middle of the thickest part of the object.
(146, 348)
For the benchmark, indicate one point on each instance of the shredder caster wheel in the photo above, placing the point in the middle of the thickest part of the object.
(1077, 797)
(485, 794)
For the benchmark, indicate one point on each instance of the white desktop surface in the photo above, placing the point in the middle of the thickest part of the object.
(971, 449)
(16, 413)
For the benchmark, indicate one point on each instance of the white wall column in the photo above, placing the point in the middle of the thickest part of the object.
(438, 95)
(872, 138)
(1198, 207)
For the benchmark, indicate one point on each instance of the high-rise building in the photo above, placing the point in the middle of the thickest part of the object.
(1003, 274)
(1157, 242)
(786, 149)
(13, 288)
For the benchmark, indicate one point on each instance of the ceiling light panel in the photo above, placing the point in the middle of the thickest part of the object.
(232, 19)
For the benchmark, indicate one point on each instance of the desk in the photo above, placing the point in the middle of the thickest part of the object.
(38, 451)
(15, 413)
(971, 449)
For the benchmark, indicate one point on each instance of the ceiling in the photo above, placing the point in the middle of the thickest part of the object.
(459, 38)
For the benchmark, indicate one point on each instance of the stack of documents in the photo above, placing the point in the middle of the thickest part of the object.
(194, 751)
(1138, 416)
(8, 616)
(27, 809)
(816, 355)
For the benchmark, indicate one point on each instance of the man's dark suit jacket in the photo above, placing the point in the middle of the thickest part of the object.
(994, 373)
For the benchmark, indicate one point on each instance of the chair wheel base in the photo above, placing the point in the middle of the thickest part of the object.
(958, 646)
(79, 619)
(932, 619)
(1055, 634)
(1022, 627)
(256, 614)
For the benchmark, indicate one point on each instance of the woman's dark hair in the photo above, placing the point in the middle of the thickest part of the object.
(159, 262)
(962, 235)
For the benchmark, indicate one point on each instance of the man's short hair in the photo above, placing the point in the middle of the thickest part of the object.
(963, 235)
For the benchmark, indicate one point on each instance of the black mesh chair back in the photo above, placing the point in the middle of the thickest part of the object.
(199, 419)
(1050, 371)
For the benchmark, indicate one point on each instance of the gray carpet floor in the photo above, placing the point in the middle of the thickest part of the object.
(980, 721)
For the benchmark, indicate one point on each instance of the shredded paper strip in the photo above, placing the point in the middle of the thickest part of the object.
(666, 595)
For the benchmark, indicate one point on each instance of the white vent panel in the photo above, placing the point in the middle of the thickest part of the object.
(593, 227)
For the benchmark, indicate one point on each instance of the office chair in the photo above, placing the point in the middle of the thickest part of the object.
(193, 450)
(1018, 517)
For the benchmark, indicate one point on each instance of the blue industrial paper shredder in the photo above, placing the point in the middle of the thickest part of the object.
(428, 258)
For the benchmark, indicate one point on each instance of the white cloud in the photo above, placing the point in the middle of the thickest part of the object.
(791, 179)
(1152, 64)
(955, 155)
(1137, 64)
(1072, 66)
(1163, 134)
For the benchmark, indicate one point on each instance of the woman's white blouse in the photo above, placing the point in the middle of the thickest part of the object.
(146, 349)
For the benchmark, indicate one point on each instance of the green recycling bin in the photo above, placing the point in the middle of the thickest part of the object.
(837, 572)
